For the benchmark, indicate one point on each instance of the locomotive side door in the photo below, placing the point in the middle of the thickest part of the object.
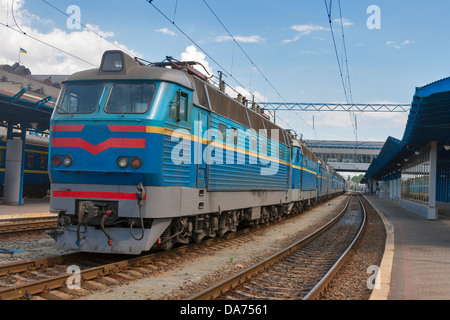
(202, 131)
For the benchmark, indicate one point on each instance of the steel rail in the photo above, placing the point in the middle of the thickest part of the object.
(233, 281)
(53, 283)
(27, 224)
(316, 292)
(56, 282)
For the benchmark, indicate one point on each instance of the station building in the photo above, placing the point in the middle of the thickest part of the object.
(416, 170)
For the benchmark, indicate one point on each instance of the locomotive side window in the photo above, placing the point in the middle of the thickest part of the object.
(173, 111)
(223, 131)
(80, 98)
(130, 98)
(183, 106)
(234, 136)
(179, 106)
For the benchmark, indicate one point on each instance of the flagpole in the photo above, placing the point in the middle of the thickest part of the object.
(21, 50)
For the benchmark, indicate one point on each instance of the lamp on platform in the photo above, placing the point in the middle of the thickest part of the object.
(447, 147)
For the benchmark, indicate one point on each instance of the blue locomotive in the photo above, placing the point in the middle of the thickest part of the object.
(149, 156)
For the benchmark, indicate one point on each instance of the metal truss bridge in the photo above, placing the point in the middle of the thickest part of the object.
(279, 106)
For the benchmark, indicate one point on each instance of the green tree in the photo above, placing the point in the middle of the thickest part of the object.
(357, 179)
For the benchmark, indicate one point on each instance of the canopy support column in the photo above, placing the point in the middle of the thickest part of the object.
(432, 208)
(14, 167)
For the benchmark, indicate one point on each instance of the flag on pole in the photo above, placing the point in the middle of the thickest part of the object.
(23, 50)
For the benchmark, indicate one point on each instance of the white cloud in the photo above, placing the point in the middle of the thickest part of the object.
(304, 30)
(166, 31)
(345, 22)
(43, 59)
(192, 54)
(399, 45)
(248, 39)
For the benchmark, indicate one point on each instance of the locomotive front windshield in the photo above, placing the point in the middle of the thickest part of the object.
(123, 98)
(80, 98)
(130, 98)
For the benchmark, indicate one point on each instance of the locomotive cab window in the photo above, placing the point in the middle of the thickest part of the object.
(179, 106)
(80, 98)
(130, 98)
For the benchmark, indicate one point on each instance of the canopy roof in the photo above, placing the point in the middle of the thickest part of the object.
(428, 120)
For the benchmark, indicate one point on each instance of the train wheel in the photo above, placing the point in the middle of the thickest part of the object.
(166, 240)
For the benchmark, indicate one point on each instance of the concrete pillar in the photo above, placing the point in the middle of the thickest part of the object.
(432, 208)
(391, 189)
(384, 189)
(399, 189)
(14, 166)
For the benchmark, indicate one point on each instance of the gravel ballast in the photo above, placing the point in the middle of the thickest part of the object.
(187, 274)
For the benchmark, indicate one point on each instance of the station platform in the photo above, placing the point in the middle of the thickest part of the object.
(416, 262)
(30, 208)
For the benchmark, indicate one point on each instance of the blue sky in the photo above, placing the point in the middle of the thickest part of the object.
(289, 41)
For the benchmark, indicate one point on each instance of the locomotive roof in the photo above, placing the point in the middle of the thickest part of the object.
(132, 70)
(116, 65)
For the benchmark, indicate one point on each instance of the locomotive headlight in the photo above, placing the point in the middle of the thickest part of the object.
(56, 161)
(136, 163)
(122, 162)
(67, 161)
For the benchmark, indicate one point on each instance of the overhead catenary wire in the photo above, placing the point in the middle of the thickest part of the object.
(204, 51)
(87, 28)
(347, 89)
(196, 44)
(48, 44)
(335, 48)
(344, 47)
(236, 42)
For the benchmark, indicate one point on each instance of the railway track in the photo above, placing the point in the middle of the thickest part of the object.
(24, 224)
(48, 277)
(301, 271)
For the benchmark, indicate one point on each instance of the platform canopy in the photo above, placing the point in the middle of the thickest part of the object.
(428, 120)
(387, 160)
(29, 112)
(429, 117)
